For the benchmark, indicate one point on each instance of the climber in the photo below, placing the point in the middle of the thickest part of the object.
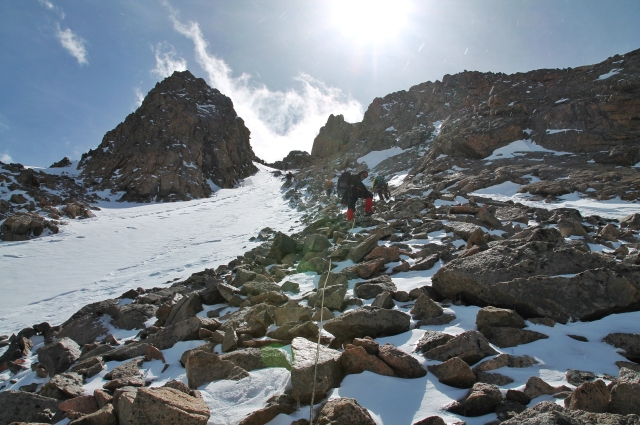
(381, 187)
(356, 190)
(289, 177)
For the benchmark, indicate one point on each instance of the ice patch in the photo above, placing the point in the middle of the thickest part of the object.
(609, 74)
(518, 148)
(373, 158)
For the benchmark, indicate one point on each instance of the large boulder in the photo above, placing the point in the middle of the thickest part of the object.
(505, 337)
(182, 331)
(185, 308)
(355, 359)
(282, 246)
(20, 406)
(329, 370)
(498, 317)
(371, 288)
(404, 365)
(454, 372)
(358, 252)
(526, 278)
(425, 308)
(203, 367)
(630, 343)
(470, 346)
(591, 397)
(63, 386)
(481, 400)
(333, 297)
(345, 411)
(163, 405)
(373, 322)
(59, 355)
(625, 394)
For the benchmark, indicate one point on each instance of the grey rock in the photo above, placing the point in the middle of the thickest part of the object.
(454, 372)
(343, 411)
(373, 287)
(404, 365)
(625, 394)
(163, 405)
(329, 374)
(58, 356)
(470, 346)
(481, 400)
(384, 300)
(185, 308)
(426, 308)
(20, 406)
(63, 386)
(373, 322)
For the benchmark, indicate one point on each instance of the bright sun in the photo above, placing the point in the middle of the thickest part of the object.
(370, 20)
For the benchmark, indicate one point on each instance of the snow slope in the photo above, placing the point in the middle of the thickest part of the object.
(133, 245)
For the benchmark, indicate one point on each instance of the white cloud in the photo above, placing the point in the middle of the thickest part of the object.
(167, 61)
(139, 97)
(50, 6)
(6, 158)
(74, 44)
(279, 121)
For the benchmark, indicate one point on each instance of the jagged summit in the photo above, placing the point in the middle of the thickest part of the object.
(183, 141)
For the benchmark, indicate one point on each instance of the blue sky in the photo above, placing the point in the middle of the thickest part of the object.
(72, 70)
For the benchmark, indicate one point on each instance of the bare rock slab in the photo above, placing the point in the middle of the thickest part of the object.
(329, 375)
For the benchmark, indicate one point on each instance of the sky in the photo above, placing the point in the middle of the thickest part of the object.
(71, 71)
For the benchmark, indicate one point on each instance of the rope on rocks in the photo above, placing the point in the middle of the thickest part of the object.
(315, 367)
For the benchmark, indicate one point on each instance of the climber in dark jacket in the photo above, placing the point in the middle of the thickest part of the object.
(357, 190)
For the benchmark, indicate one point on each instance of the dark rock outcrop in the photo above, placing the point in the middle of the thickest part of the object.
(184, 138)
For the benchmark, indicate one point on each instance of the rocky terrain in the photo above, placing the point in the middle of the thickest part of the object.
(183, 141)
(526, 271)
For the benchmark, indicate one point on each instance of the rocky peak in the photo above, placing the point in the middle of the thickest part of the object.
(590, 109)
(181, 143)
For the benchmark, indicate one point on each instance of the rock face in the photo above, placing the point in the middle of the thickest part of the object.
(536, 101)
(184, 139)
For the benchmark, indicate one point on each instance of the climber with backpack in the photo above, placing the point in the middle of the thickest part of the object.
(351, 188)
(381, 187)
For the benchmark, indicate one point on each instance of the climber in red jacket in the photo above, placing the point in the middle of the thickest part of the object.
(358, 190)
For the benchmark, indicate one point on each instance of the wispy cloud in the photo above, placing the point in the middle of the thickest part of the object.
(279, 121)
(74, 44)
(139, 97)
(6, 158)
(167, 60)
(50, 6)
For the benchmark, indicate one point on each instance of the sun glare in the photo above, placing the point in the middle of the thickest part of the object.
(370, 20)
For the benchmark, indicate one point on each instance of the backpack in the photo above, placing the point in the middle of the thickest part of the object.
(379, 182)
(343, 183)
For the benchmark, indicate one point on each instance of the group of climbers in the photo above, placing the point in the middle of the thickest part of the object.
(351, 188)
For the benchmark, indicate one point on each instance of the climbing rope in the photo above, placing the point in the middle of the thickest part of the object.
(315, 367)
